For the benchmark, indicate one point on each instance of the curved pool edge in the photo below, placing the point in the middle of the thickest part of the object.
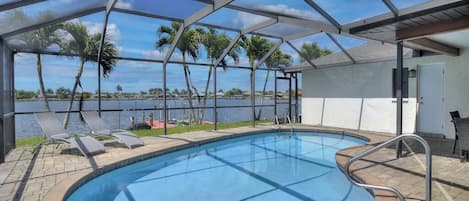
(64, 188)
(342, 156)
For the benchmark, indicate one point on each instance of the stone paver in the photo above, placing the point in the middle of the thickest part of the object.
(450, 176)
(52, 172)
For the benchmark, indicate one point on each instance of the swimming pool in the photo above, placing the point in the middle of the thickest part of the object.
(270, 166)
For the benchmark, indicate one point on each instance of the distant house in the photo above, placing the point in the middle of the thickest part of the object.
(220, 94)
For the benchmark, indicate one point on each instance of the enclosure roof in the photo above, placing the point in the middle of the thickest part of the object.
(365, 20)
(371, 51)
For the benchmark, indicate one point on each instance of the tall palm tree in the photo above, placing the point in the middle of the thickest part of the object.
(188, 45)
(38, 40)
(278, 59)
(86, 45)
(312, 51)
(256, 47)
(215, 44)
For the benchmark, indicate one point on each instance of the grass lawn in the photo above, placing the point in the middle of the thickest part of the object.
(184, 129)
(28, 141)
(33, 141)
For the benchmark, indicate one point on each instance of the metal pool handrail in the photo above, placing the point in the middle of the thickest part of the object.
(291, 124)
(277, 122)
(428, 168)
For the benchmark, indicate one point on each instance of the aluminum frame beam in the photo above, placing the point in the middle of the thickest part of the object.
(109, 6)
(53, 21)
(398, 87)
(314, 25)
(300, 35)
(207, 10)
(141, 59)
(131, 12)
(217, 62)
(302, 55)
(268, 54)
(2, 103)
(17, 4)
(258, 26)
(173, 44)
(391, 7)
(227, 50)
(253, 79)
(304, 22)
(341, 47)
(325, 14)
(238, 36)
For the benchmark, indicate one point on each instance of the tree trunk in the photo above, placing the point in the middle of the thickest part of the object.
(72, 97)
(197, 115)
(42, 89)
(204, 102)
(263, 93)
(253, 92)
(189, 91)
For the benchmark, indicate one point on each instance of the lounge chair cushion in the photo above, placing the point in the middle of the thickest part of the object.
(105, 132)
(128, 139)
(87, 144)
(61, 136)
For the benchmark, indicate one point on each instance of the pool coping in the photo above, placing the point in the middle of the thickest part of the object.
(67, 186)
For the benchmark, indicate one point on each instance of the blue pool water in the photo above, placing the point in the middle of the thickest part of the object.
(271, 166)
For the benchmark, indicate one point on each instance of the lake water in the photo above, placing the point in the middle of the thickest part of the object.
(26, 126)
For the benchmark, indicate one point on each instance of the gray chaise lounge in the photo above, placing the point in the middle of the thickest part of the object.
(99, 128)
(55, 133)
(462, 126)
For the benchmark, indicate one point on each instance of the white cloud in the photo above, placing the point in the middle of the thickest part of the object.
(124, 4)
(112, 30)
(159, 54)
(153, 54)
(247, 19)
(284, 9)
(122, 49)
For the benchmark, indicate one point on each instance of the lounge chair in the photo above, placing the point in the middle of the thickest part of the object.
(55, 133)
(454, 116)
(462, 126)
(99, 128)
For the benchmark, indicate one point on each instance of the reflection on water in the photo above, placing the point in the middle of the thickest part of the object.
(27, 126)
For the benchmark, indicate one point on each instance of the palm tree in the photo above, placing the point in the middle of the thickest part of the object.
(86, 45)
(276, 60)
(215, 44)
(256, 47)
(312, 51)
(38, 40)
(188, 45)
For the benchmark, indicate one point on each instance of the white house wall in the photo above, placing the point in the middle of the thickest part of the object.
(360, 96)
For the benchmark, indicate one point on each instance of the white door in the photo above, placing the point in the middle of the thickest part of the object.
(431, 98)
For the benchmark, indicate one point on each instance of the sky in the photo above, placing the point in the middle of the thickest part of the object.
(135, 37)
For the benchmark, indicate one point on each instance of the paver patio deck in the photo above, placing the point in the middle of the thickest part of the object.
(48, 174)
